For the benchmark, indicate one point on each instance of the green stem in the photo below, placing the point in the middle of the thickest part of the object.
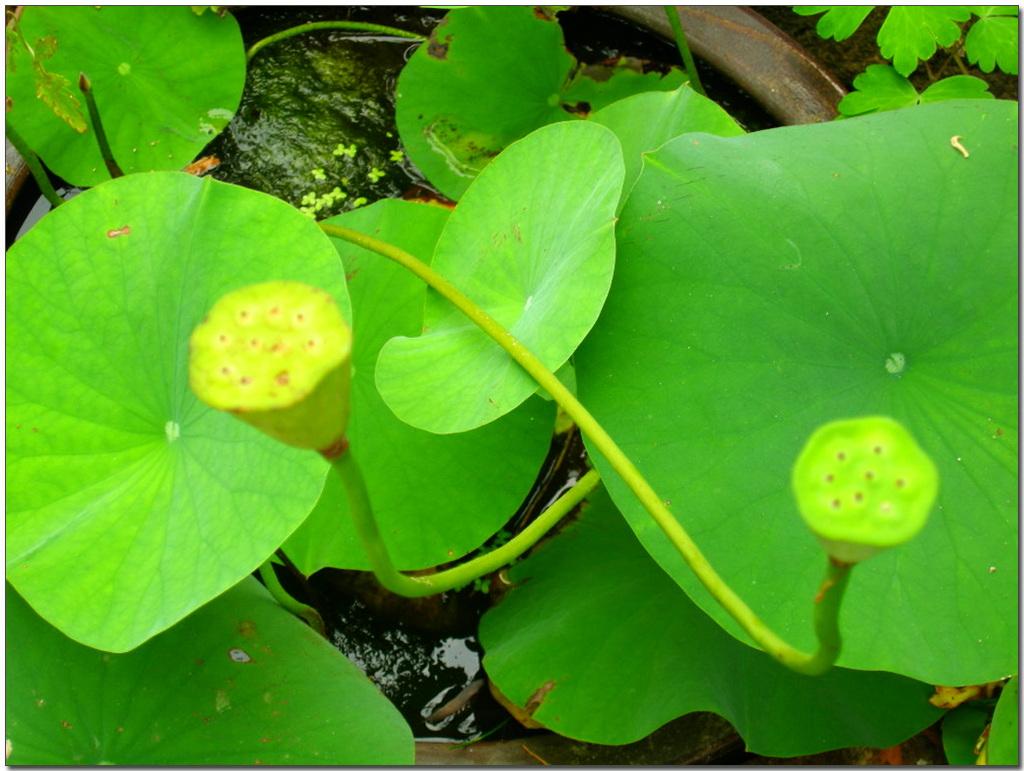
(35, 166)
(269, 576)
(97, 126)
(602, 442)
(421, 586)
(672, 12)
(352, 26)
(826, 618)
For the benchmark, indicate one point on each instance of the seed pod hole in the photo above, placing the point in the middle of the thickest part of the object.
(282, 378)
(853, 485)
(245, 381)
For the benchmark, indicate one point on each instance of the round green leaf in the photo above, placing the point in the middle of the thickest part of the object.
(165, 80)
(238, 682)
(489, 76)
(436, 496)
(532, 243)
(772, 283)
(112, 462)
(458, 102)
(606, 648)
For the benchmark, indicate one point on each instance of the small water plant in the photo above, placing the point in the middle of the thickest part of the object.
(206, 383)
(936, 38)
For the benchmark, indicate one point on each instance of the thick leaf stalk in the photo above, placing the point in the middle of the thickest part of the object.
(460, 575)
(278, 356)
(829, 597)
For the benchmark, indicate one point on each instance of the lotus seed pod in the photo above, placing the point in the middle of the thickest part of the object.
(864, 485)
(278, 356)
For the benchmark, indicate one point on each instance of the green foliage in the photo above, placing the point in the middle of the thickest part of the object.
(437, 496)
(240, 681)
(838, 22)
(532, 230)
(594, 616)
(746, 312)
(51, 87)
(992, 41)
(111, 460)
(165, 84)
(667, 114)
(760, 286)
(1004, 734)
(490, 76)
(962, 729)
(911, 34)
(880, 88)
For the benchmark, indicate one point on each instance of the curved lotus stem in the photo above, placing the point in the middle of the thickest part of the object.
(864, 485)
(278, 356)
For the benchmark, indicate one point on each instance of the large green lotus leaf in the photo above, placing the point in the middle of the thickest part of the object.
(613, 649)
(238, 682)
(489, 76)
(129, 502)
(436, 497)
(667, 114)
(532, 243)
(768, 284)
(165, 80)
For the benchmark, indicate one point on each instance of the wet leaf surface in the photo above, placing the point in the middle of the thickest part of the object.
(111, 460)
(239, 682)
(163, 91)
(532, 244)
(436, 497)
(604, 647)
(761, 292)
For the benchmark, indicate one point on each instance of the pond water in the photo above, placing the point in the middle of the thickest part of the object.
(316, 126)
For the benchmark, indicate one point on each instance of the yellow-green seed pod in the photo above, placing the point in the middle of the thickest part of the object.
(278, 356)
(864, 485)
